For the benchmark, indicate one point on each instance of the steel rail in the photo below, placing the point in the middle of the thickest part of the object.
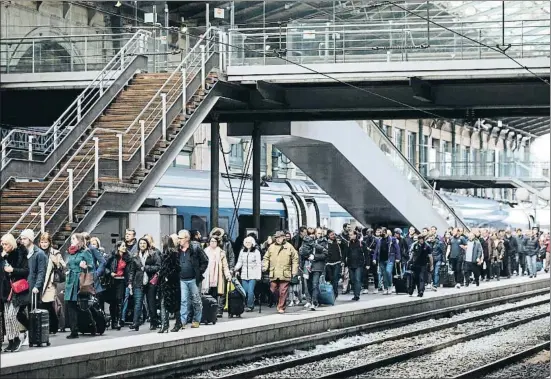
(362, 368)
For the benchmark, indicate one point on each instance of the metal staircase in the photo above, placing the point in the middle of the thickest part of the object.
(27, 154)
(115, 168)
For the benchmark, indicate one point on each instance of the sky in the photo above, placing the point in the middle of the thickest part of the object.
(541, 148)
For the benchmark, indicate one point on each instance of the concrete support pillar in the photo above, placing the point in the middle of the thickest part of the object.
(214, 173)
(256, 140)
(454, 150)
(422, 165)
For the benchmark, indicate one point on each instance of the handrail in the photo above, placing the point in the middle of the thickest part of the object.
(89, 154)
(87, 98)
(420, 177)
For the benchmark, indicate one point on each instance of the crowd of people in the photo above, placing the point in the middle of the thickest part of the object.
(283, 271)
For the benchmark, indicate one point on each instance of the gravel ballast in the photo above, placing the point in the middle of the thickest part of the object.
(536, 366)
(374, 352)
(468, 355)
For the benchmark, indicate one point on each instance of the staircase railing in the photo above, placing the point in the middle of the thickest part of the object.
(51, 138)
(409, 171)
(86, 156)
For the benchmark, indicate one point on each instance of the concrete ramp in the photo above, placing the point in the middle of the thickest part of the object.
(366, 177)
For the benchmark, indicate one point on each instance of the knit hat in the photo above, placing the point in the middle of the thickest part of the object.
(27, 233)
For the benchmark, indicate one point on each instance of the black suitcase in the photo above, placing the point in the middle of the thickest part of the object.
(399, 282)
(39, 325)
(210, 310)
(85, 323)
(129, 316)
(236, 304)
(447, 277)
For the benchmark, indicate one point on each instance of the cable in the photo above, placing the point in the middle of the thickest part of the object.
(241, 188)
(470, 39)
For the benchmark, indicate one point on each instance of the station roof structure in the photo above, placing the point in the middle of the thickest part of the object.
(527, 26)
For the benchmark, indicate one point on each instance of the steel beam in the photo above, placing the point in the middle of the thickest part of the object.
(214, 174)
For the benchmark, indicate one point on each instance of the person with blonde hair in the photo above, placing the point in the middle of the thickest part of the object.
(16, 270)
(249, 266)
(55, 274)
(217, 273)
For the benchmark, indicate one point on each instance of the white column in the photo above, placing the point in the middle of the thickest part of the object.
(142, 132)
(31, 148)
(203, 59)
(70, 172)
(4, 152)
(96, 163)
(163, 100)
(56, 127)
(119, 136)
(42, 206)
(79, 109)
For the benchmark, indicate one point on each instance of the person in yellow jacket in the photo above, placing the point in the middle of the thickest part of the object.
(281, 261)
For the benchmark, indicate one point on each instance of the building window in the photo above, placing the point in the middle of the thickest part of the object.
(412, 143)
(398, 139)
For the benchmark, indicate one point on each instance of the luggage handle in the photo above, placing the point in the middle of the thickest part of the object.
(34, 301)
(396, 267)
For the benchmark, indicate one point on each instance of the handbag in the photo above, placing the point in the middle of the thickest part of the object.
(155, 279)
(19, 286)
(59, 275)
(86, 283)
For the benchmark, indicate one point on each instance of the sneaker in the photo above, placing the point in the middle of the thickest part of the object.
(297, 301)
(291, 304)
(17, 343)
(374, 291)
(281, 311)
(195, 325)
(515, 272)
(365, 292)
(10, 347)
(183, 326)
(313, 307)
(386, 292)
(434, 288)
(307, 305)
(393, 290)
(420, 294)
(458, 286)
(355, 298)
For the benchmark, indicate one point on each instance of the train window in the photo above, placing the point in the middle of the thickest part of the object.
(224, 223)
(199, 223)
(180, 223)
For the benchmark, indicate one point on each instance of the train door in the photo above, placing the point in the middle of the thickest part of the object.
(312, 215)
(268, 226)
(291, 209)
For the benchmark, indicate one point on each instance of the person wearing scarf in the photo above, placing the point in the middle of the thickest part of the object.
(79, 259)
(217, 273)
(49, 290)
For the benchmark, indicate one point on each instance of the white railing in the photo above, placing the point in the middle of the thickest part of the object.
(79, 107)
(87, 155)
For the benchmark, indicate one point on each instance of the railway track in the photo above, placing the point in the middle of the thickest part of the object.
(429, 322)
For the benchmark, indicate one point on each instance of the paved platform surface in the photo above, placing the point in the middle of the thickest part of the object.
(114, 342)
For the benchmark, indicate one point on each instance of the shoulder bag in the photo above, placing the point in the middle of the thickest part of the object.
(86, 283)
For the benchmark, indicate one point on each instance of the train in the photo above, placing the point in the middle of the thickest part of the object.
(181, 200)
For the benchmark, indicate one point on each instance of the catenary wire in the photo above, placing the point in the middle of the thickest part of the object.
(468, 38)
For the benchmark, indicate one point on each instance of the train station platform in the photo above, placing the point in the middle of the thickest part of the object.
(118, 351)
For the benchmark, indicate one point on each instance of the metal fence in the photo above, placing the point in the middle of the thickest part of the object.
(386, 41)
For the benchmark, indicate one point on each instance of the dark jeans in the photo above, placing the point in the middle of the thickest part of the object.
(151, 295)
(471, 268)
(522, 262)
(332, 273)
(313, 284)
(72, 315)
(419, 274)
(456, 265)
(496, 269)
(116, 298)
(356, 279)
(508, 262)
(138, 304)
(487, 273)
(54, 322)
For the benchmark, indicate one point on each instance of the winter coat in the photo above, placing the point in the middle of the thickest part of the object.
(319, 249)
(393, 249)
(99, 267)
(37, 268)
(137, 269)
(531, 246)
(511, 245)
(496, 250)
(250, 264)
(477, 251)
(17, 259)
(226, 245)
(334, 251)
(357, 255)
(438, 250)
(55, 260)
(169, 280)
(281, 261)
(224, 274)
(485, 243)
(72, 283)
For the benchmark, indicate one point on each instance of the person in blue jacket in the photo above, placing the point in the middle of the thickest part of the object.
(387, 253)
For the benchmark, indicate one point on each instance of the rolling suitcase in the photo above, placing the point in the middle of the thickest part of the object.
(447, 277)
(409, 282)
(235, 301)
(210, 310)
(85, 323)
(39, 325)
(399, 281)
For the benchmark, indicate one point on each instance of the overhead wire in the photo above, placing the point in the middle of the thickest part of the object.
(494, 48)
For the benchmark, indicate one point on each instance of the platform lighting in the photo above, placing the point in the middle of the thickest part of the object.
(500, 124)
(118, 5)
